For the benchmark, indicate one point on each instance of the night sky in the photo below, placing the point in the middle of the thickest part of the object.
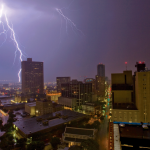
(114, 31)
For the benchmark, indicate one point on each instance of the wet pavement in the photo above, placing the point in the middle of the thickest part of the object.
(103, 133)
(102, 136)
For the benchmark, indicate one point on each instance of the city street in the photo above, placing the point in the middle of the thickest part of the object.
(103, 131)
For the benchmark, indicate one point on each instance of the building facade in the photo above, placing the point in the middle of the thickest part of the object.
(142, 94)
(61, 80)
(74, 136)
(81, 91)
(43, 107)
(122, 88)
(32, 77)
(100, 87)
(130, 95)
(68, 103)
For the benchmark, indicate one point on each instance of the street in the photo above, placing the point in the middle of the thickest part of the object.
(103, 133)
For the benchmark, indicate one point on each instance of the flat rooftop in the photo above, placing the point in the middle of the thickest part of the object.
(135, 131)
(31, 125)
(31, 104)
(135, 135)
(80, 131)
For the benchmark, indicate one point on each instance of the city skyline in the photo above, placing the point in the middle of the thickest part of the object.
(111, 30)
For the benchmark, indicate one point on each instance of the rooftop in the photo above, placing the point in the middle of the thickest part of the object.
(31, 104)
(73, 139)
(135, 135)
(126, 106)
(31, 125)
(80, 131)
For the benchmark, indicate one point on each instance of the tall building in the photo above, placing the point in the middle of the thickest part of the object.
(100, 81)
(61, 80)
(100, 87)
(142, 92)
(32, 77)
(101, 70)
(93, 81)
(81, 91)
(130, 95)
(123, 102)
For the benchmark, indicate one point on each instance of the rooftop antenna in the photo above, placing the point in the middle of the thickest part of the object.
(126, 65)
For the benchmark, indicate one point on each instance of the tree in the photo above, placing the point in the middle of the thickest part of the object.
(38, 145)
(89, 144)
(75, 147)
(96, 124)
(7, 142)
(1, 122)
(21, 143)
(55, 141)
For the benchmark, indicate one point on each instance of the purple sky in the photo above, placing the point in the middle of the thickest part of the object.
(115, 31)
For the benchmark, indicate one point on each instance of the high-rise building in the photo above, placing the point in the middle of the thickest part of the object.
(142, 92)
(100, 87)
(81, 91)
(101, 70)
(32, 77)
(93, 81)
(130, 95)
(61, 80)
(123, 101)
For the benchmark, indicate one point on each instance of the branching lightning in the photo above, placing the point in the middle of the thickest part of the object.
(13, 37)
(69, 21)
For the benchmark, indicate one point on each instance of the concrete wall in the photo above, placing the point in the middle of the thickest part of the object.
(122, 96)
(30, 109)
(69, 102)
(119, 78)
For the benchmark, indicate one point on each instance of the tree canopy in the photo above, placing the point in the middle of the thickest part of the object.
(89, 144)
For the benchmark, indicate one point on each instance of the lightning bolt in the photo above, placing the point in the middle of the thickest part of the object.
(69, 21)
(13, 36)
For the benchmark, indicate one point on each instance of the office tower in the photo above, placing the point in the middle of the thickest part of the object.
(142, 92)
(100, 87)
(32, 77)
(61, 80)
(122, 88)
(132, 104)
(81, 91)
(101, 70)
(123, 102)
(93, 81)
